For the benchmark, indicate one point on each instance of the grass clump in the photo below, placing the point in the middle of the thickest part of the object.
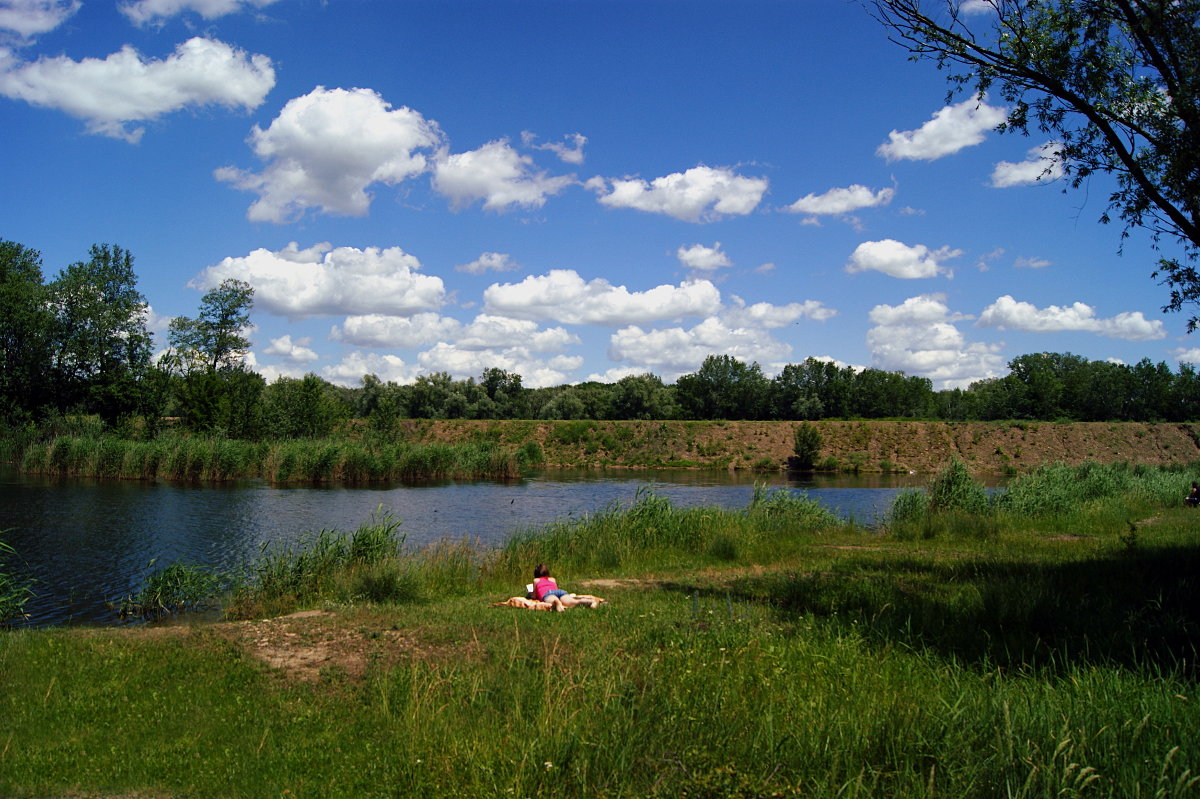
(178, 588)
(15, 591)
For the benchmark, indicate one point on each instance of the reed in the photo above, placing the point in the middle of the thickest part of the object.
(15, 591)
(178, 588)
(206, 459)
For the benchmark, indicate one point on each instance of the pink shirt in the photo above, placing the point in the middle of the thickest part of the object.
(541, 585)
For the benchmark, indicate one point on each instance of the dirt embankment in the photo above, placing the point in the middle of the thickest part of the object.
(986, 447)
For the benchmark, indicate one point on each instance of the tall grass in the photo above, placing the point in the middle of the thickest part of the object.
(177, 457)
(1052, 495)
(15, 591)
(178, 588)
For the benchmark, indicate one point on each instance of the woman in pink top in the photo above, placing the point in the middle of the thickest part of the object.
(545, 589)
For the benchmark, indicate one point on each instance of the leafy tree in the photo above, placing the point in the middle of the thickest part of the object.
(25, 326)
(641, 397)
(504, 389)
(1116, 83)
(306, 408)
(101, 345)
(723, 388)
(214, 390)
(215, 340)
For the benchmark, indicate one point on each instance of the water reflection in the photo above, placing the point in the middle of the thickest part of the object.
(87, 542)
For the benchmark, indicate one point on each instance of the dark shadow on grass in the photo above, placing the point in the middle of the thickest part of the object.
(1137, 608)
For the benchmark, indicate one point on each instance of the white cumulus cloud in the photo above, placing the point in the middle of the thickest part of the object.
(326, 281)
(31, 17)
(113, 93)
(564, 296)
(841, 201)
(398, 332)
(535, 372)
(701, 194)
(294, 352)
(1007, 313)
(569, 150)
(919, 338)
(489, 262)
(141, 12)
(388, 368)
(326, 148)
(488, 331)
(950, 130)
(900, 260)
(1041, 164)
(496, 174)
(767, 315)
(703, 259)
(671, 352)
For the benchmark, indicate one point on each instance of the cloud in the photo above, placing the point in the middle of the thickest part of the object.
(950, 130)
(488, 331)
(321, 281)
(918, 337)
(569, 151)
(674, 351)
(141, 12)
(535, 372)
(31, 17)
(489, 262)
(841, 201)
(1187, 355)
(900, 260)
(109, 94)
(294, 352)
(326, 147)
(1042, 164)
(766, 315)
(703, 259)
(562, 295)
(1030, 263)
(976, 6)
(496, 174)
(1007, 313)
(701, 194)
(389, 368)
(397, 332)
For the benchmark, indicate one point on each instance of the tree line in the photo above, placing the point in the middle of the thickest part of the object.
(78, 345)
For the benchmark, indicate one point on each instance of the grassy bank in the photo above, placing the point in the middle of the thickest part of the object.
(968, 649)
(301, 460)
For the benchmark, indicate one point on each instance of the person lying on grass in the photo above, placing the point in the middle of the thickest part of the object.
(545, 589)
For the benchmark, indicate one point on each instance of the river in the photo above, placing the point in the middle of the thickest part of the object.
(86, 543)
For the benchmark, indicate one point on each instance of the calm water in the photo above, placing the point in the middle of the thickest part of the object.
(88, 542)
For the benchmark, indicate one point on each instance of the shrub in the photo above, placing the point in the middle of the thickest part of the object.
(806, 443)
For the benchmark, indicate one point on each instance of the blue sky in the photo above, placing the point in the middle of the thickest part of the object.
(570, 190)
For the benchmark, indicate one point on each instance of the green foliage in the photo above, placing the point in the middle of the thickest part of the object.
(101, 347)
(806, 444)
(14, 591)
(178, 588)
(723, 388)
(954, 489)
(315, 567)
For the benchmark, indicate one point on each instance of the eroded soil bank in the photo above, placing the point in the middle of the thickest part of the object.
(986, 447)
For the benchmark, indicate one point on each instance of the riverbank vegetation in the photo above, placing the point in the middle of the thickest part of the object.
(79, 345)
(971, 646)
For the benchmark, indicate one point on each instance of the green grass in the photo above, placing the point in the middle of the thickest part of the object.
(756, 652)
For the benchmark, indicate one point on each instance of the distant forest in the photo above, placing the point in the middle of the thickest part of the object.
(78, 345)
